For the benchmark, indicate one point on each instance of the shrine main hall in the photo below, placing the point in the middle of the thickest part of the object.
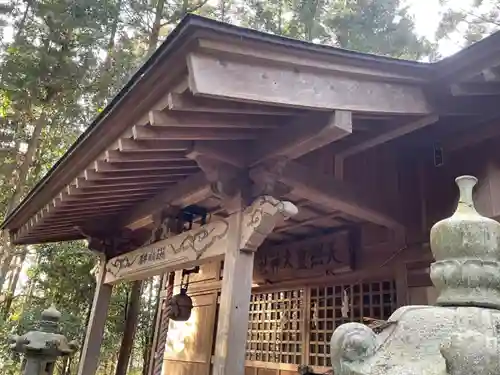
(279, 188)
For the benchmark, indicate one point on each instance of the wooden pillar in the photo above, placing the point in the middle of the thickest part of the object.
(130, 328)
(235, 301)
(89, 360)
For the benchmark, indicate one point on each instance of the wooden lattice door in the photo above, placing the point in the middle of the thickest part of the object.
(332, 306)
(293, 326)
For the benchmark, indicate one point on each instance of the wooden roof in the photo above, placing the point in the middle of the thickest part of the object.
(244, 97)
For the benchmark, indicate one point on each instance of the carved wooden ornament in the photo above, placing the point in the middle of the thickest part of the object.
(201, 245)
(260, 219)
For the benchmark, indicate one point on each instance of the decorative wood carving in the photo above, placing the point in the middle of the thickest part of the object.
(205, 243)
(260, 219)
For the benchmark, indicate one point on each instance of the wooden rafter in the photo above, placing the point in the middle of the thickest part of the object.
(190, 103)
(168, 133)
(306, 134)
(476, 88)
(85, 193)
(387, 136)
(138, 166)
(336, 195)
(189, 191)
(209, 121)
(114, 156)
(142, 175)
(152, 145)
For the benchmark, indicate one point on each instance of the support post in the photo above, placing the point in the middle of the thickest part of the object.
(89, 360)
(236, 288)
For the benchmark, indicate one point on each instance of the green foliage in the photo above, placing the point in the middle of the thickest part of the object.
(470, 23)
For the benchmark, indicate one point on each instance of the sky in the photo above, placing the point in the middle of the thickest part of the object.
(426, 14)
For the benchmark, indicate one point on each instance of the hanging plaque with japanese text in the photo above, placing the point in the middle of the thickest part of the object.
(326, 256)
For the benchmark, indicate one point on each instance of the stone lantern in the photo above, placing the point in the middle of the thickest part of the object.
(458, 336)
(43, 347)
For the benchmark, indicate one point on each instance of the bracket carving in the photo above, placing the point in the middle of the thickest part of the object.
(265, 178)
(227, 182)
(260, 219)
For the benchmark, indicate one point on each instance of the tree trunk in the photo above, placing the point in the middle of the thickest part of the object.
(22, 24)
(18, 192)
(28, 161)
(112, 36)
(15, 280)
(130, 328)
(155, 31)
(152, 332)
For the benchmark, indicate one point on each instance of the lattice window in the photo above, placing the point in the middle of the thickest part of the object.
(370, 300)
(275, 327)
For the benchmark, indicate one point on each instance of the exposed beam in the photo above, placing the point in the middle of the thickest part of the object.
(86, 214)
(143, 175)
(306, 134)
(235, 154)
(79, 202)
(93, 208)
(113, 184)
(189, 191)
(114, 156)
(330, 193)
(210, 121)
(289, 86)
(192, 134)
(75, 193)
(190, 103)
(153, 145)
(475, 89)
(483, 130)
(308, 222)
(141, 166)
(398, 131)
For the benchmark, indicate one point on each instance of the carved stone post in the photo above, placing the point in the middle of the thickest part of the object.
(43, 347)
(459, 336)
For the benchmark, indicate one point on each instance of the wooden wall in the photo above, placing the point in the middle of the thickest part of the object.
(297, 301)
(481, 160)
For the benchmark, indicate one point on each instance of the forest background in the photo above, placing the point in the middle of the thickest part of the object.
(61, 61)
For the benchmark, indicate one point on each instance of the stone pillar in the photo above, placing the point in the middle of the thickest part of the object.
(89, 360)
(43, 347)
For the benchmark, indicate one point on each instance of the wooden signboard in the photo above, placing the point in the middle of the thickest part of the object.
(326, 256)
(188, 249)
(205, 244)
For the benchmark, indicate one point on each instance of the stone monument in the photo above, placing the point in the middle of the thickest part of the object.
(43, 347)
(458, 336)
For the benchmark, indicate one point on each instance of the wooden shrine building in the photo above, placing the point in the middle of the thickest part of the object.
(301, 179)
